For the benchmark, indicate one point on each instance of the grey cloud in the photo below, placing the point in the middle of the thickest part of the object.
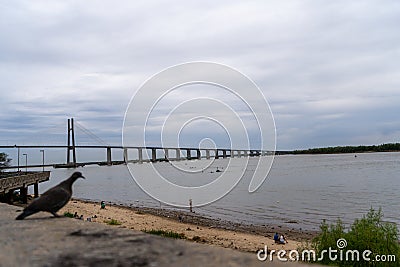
(325, 67)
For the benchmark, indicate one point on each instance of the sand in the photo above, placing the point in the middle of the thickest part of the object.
(195, 228)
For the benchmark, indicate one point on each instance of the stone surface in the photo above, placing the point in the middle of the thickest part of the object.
(40, 240)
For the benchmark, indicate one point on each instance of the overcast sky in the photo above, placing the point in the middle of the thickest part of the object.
(329, 69)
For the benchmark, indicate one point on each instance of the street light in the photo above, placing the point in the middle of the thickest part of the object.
(42, 151)
(18, 156)
(26, 162)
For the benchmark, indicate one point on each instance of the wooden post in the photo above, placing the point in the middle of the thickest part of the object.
(36, 189)
(24, 194)
(10, 196)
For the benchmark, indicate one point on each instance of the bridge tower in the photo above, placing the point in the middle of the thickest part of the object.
(71, 143)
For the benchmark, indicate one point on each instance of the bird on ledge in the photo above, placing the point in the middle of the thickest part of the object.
(53, 199)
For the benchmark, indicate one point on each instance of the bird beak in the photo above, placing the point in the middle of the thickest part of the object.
(82, 177)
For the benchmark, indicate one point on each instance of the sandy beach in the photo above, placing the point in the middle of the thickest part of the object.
(195, 228)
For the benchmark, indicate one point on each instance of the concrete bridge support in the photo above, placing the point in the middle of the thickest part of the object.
(140, 155)
(166, 154)
(188, 154)
(198, 154)
(126, 155)
(207, 154)
(153, 155)
(178, 154)
(109, 160)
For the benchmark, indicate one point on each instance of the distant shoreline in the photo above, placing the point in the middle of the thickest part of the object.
(389, 147)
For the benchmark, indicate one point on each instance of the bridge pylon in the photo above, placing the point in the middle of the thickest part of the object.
(71, 143)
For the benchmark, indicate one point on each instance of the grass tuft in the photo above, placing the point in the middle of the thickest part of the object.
(68, 214)
(163, 233)
(112, 222)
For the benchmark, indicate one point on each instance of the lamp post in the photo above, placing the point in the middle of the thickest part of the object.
(26, 162)
(42, 151)
(18, 157)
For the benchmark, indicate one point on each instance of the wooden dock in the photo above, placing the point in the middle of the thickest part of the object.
(11, 181)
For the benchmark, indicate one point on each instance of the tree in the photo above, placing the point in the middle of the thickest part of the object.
(4, 160)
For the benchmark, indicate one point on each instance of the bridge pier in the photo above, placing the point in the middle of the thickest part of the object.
(224, 154)
(109, 160)
(166, 152)
(140, 155)
(126, 155)
(188, 154)
(178, 154)
(216, 154)
(198, 154)
(153, 155)
(207, 154)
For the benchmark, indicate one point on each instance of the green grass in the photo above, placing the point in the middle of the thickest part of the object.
(163, 233)
(113, 222)
(68, 214)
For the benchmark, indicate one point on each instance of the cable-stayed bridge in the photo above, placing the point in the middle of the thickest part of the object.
(131, 154)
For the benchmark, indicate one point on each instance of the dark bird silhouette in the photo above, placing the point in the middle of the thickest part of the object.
(53, 199)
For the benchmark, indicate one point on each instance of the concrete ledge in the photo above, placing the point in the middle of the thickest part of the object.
(43, 241)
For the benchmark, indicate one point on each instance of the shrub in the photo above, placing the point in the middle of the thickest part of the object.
(367, 233)
(68, 214)
(113, 222)
(163, 233)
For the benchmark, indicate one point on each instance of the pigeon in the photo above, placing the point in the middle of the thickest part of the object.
(53, 199)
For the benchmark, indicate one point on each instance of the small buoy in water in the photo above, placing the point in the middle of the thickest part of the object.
(277, 201)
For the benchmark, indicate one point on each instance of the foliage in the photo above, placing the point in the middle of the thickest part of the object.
(368, 233)
(68, 214)
(113, 222)
(4, 160)
(163, 233)
(351, 149)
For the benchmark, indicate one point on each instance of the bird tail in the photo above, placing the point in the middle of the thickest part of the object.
(25, 214)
